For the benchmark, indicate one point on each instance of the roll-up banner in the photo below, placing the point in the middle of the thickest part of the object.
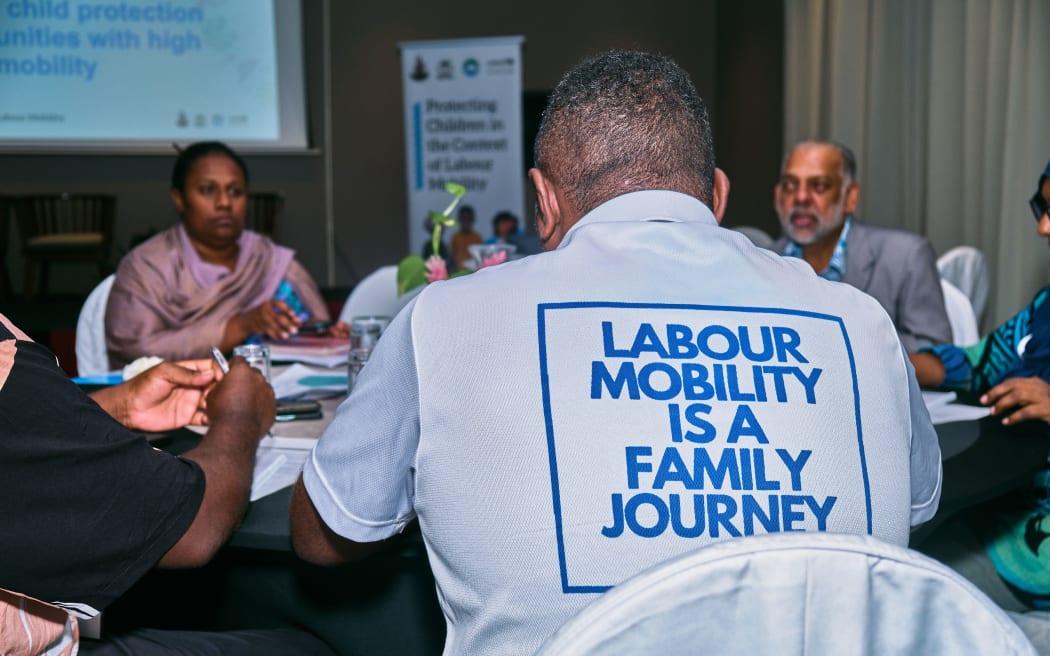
(463, 125)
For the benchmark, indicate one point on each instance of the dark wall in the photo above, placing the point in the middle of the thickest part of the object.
(733, 72)
(749, 131)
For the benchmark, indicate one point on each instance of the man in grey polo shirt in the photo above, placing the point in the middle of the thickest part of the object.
(649, 384)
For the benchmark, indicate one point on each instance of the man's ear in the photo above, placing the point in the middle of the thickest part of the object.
(176, 197)
(720, 194)
(852, 198)
(548, 210)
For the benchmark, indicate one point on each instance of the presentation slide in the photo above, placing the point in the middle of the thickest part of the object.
(142, 72)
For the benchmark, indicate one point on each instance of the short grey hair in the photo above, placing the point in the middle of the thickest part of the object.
(626, 121)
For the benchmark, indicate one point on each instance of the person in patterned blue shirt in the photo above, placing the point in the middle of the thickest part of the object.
(1008, 542)
(1010, 367)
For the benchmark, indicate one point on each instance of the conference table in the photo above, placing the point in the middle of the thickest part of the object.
(982, 460)
(387, 603)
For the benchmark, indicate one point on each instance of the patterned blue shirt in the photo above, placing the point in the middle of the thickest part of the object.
(837, 266)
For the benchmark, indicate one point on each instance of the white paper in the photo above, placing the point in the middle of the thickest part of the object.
(278, 463)
(948, 412)
(943, 409)
(932, 399)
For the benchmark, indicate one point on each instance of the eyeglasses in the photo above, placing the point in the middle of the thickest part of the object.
(1039, 205)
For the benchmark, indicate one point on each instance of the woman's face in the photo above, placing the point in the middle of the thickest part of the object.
(1043, 226)
(213, 203)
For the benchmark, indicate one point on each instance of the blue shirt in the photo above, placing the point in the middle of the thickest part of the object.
(837, 266)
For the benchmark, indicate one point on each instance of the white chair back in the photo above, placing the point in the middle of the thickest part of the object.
(965, 267)
(376, 296)
(758, 236)
(92, 356)
(793, 594)
(961, 316)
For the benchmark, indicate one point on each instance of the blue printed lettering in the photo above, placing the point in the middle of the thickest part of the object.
(768, 517)
(821, 511)
(761, 482)
(792, 518)
(787, 341)
(729, 350)
(672, 469)
(634, 464)
(745, 424)
(795, 465)
(648, 515)
(677, 523)
(679, 342)
(694, 382)
(646, 341)
(692, 415)
(713, 341)
(601, 379)
(630, 512)
(616, 530)
(765, 354)
(653, 391)
(607, 343)
(809, 383)
(721, 508)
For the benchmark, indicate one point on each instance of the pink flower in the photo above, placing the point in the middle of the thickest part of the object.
(499, 257)
(436, 268)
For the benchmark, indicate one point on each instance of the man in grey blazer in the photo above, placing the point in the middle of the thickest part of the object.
(815, 198)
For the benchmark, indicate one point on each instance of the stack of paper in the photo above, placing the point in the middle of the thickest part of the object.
(322, 351)
(943, 410)
(278, 462)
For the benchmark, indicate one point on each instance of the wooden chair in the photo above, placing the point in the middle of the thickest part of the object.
(64, 228)
(264, 210)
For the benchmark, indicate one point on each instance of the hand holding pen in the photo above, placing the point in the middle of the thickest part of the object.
(253, 398)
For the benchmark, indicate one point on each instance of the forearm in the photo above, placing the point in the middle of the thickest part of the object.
(929, 370)
(314, 542)
(233, 333)
(114, 400)
(226, 455)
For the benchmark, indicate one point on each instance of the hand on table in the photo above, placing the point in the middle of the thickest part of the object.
(340, 330)
(243, 398)
(1019, 399)
(164, 397)
(274, 318)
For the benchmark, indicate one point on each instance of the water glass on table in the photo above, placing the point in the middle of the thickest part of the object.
(364, 333)
(256, 355)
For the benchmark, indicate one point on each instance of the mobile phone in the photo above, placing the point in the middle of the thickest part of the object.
(315, 327)
(292, 410)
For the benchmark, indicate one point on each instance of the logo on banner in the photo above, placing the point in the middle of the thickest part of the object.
(471, 67)
(419, 71)
(501, 66)
(703, 423)
(444, 70)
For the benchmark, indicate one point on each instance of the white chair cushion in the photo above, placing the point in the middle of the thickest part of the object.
(793, 594)
(961, 316)
(92, 356)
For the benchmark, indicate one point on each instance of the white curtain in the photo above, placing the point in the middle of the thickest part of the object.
(946, 104)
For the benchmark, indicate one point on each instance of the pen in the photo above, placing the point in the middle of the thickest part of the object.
(220, 360)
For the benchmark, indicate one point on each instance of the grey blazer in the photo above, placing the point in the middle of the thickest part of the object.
(899, 269)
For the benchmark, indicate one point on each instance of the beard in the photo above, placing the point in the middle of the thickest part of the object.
(814, 231)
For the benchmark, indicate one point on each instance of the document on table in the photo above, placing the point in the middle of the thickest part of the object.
(943, 410)
(321, 351)
(301, 382)
(278, 463)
